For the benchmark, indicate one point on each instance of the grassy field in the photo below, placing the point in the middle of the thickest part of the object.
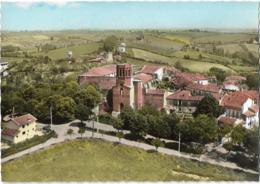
(193, 65)
(163, 46)
(96, 160)
(78, 51)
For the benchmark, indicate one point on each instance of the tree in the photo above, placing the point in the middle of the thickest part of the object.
(252, 81)
(117, 123)
(63, 108)
(82, 112)
(81, 131)
(172, 121)
(238, 135)
(224, 130)
(158, 127)
(219, 74)
(110, 43)
(127, 116)
(69, 132)
(251, 141)
(88, 96)
(138, 125)
(148, 109)
(203, 129)
(157, 143)
(120, 135)
(209, 106)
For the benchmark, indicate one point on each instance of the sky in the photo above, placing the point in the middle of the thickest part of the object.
(128, 15)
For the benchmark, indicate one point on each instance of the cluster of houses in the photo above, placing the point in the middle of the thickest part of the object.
(110, 57)
(126, 85)
(134, 88)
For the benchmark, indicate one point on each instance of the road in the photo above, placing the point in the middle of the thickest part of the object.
(62, 136)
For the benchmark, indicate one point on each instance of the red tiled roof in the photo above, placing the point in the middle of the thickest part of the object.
(179, 81)
(234, 100)
(254, 108)
(171, 69)
(217, 96)
(227, 120)
(184, 95)
(9, 132)
(253, 94)
(191, 76)
(22, 120)
(150, 69)
(155, 91)
(144, 77)
(249, 113)
(209, 87)
(236, 78)
(101, 71)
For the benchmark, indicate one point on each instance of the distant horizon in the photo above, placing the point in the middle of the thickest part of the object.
(43, 16)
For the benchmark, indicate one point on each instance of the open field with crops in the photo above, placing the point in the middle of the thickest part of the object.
(95, 160)
(157, 46)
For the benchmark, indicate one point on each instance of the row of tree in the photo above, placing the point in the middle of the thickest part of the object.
(148, 120)
(68, 100)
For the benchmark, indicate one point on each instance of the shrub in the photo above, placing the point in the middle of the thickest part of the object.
(105, 118)
(28, 143)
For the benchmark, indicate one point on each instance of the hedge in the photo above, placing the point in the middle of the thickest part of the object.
(15, 148)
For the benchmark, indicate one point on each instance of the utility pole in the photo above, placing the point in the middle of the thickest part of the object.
(13, 112)
(51, 116)
(259, 88)
(179, 145)
(93, 126)
(97, 127)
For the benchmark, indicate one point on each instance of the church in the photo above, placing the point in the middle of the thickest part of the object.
(129, 88)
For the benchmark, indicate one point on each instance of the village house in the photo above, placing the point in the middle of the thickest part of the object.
(183, 101)
(181, 79)
(19, 129)
(154, 70)
(103, 76)
(233, 83)
(203, 90)
(3, 68)
(121, 48)
(241, 106)
(135, 90)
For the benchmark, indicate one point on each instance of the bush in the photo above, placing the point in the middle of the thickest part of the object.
(244, 161)
(105, 118)
(194, 148)
(186, 57)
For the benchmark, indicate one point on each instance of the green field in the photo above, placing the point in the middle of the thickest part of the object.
(193, 65)
(96, 160)
(157, 46)
(78, 51)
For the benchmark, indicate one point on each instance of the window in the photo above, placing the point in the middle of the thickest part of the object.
(23, 126)
(23, 132)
